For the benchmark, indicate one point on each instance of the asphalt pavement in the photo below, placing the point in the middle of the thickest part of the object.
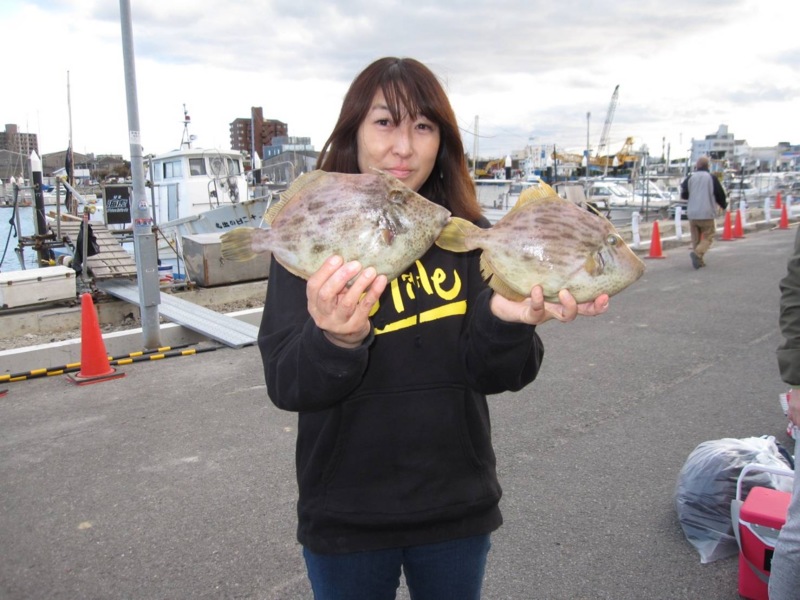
(177, 480)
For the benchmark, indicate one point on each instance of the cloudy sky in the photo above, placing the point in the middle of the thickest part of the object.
(530, 70)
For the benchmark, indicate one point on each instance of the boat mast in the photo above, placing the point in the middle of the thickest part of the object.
(70, 202)
(186, 140)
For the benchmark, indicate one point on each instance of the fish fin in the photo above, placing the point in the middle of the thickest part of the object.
(592, 266)
(237, 244)
(541, 191)
(293, 270)
(297, 186)
(497, 284)
(453, 236)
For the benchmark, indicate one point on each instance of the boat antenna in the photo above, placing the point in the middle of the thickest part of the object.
(186, 140)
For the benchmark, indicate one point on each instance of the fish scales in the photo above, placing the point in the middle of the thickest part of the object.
(548, 241)
(372, 218)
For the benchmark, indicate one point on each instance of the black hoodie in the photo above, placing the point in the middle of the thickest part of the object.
(394, 439)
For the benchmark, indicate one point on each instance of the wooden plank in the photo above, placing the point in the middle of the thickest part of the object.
(112, 261)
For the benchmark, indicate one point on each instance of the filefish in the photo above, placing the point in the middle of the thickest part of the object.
(372, 218)
(548, 241)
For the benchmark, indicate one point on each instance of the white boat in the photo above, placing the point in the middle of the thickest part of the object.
(200, 191)
(196, 190)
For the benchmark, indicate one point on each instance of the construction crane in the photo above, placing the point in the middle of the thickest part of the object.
(601, 147)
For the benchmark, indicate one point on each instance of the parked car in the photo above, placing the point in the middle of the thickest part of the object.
(612, 194)
(574, 192)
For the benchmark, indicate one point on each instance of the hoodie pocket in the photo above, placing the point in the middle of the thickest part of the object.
(405, 453)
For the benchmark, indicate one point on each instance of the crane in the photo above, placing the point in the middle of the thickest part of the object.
(601, 147)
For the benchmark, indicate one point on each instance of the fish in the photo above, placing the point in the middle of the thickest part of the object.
(548, 241)
(371, 217)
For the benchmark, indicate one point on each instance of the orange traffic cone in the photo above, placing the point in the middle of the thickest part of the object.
(95, 366)
(778, 200)
(727, 230)
(655, 242)
(738, 231)
(784, 224)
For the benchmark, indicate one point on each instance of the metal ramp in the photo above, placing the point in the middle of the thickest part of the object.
(219, 327)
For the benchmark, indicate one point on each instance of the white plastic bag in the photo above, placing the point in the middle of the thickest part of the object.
(707, 485)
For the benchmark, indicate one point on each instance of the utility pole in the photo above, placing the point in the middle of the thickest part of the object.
(144, 241)
(475, 150)
(588, 120)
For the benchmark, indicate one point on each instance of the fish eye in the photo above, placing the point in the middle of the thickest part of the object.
(611, 240)
(397, 197)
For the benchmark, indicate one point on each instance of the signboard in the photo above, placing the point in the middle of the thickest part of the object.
(117, 200)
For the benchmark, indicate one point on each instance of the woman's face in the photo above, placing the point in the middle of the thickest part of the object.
(406, 149)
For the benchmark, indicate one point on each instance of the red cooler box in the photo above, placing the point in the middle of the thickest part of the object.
(760, 518)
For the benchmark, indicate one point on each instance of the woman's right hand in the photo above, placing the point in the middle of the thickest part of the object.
(342, 311)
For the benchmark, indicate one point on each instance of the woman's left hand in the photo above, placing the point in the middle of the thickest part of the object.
(535, 311)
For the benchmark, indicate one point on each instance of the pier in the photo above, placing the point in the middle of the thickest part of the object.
(177, 481)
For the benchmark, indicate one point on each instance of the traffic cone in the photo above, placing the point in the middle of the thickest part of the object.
(778, 203)
(727, 230)
(95, 366)
(738, 231)
(655, 242)
(784, 223)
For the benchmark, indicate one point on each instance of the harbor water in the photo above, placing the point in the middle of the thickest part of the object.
(9, 238)
(10, 235)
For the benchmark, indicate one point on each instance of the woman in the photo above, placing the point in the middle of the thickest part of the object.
(395, 465)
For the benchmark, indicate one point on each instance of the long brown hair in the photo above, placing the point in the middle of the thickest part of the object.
(409, 87)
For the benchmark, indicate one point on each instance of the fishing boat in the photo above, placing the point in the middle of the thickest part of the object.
(197, 190)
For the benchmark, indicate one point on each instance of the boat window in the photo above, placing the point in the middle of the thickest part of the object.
(197, 166)
(234, 167)
(172, 168)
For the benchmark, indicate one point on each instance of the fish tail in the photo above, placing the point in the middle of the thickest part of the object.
(453, 236)
(237, 244)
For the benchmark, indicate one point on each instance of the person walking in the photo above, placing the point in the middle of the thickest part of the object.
(784, 580)
(395, 466)
(703, 192)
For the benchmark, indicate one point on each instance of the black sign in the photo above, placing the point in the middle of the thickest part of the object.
(117, 204)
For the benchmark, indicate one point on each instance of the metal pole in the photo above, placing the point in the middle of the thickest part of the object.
(144, 241)
(475, 150)
(588, 120)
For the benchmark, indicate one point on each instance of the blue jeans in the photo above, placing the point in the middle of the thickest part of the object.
(450, 570)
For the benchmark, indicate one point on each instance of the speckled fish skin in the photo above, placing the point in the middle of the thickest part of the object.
(554, 243)
(372, 218)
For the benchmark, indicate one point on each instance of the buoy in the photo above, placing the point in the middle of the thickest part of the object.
(95, 365)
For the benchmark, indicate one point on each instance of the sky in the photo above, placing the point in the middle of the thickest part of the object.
(527, 71)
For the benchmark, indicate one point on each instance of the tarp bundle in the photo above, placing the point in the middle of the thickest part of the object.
(707, 485)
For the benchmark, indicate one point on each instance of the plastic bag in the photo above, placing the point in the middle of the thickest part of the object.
(707, 485)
